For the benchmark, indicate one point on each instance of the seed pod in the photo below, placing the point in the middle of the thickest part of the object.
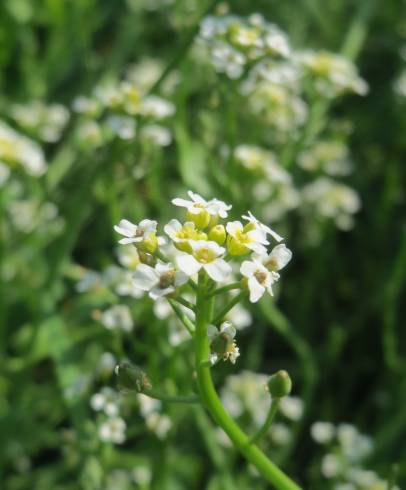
(280, 384)
(131, 378)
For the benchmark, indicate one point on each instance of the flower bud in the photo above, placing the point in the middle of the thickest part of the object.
(149, 244)
(235, 247)
(279, 384)
(131, 378)
(147, 259)
(201, 220)
(218, 234)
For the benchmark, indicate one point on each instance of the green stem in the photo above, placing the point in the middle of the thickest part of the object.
(225, 289)
(213, 404)
(182, 317)
(185, 302)
(229, 306)
(268, 421)
(172, 398)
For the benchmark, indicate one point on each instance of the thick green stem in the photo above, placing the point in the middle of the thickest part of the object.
(269, 419)
(213, 404)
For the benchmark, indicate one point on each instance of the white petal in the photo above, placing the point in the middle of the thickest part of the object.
(273, 233)
(156, 292)
(258, 236)
(233, 226)
(180, 278)
(269, 288)
(172, 227)
(248, 268)
(196, 197)
(183, 203)
(281, 255)
(126, 228)
(256, 247)
(256, 290)
(126, 241)
(229, 329)
(188, 264)
(212, 332)
(145, 277)
(218, 270)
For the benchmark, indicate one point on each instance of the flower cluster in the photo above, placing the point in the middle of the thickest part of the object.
(233, 43)
(202, 244)
(343, 465)
(121, 110)
(18, 150)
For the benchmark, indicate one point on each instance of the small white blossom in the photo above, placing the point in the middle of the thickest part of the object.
(159, 424)
(322, 432)
(160, 280)
(118, 316)
(106, 401)
(260, 279)
(113, 430)
(252, 239)
(291, 407)
(197, 204)
(206, 255)
(222, 343)
(260, 226)
(135, 233)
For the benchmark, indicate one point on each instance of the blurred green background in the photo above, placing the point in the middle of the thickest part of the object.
(110, 109)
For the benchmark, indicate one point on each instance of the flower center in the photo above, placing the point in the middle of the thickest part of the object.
(204, 255)
(167, 279)
(261, 276)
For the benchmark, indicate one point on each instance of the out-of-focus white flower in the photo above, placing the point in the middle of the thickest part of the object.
(335, 74)
(331, 466)
(291, 407)
(159, 424)
(117, 317)
(113, 430)
(322, 432)
(280, 433)
(205, 255)
(160, 280)
(158, 135)
(197, 204)
(106, 400)
(4, 173)
(330, 156)
(121, 126)
(128, 257)
(142, 475)
(239, 317)
(18, 149)
(148, 405)
(107, 363)
(125, 285)
(156, 107)
(222, 343)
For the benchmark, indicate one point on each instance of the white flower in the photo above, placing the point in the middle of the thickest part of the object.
(182, 234)
(113, 430)
(118, 316)
(331, 466)
(280, 434)
(322, 432)
(251, 239)
(260, 279)
(279, 257)
(197, 204)
(291, 407)
(159, 424)
(257, 225)
(135, 233)
(222, 343)
(156, 107)
(206, 255)
(105, 401)
(160, 280)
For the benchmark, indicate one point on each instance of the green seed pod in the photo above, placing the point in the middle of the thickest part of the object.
(280, 384)
(131, 378)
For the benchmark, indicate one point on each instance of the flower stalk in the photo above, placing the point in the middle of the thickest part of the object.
(213, 404)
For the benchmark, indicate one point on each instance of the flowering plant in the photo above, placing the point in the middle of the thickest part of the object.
(200, 257)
